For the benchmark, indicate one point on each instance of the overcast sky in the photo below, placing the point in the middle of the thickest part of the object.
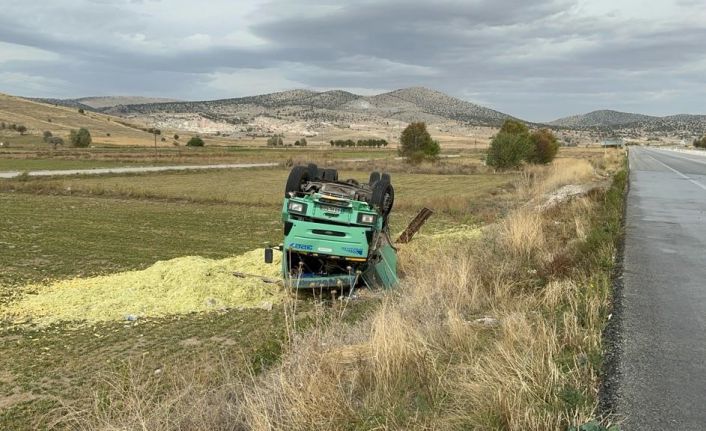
(538, 60)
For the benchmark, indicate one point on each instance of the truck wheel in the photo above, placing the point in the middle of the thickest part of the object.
(374, 178)
(298, 176)
(329, 175)
(314, 172)
(386, 178)
(383, 198)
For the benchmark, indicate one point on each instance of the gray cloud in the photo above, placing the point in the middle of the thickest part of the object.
(536, 60)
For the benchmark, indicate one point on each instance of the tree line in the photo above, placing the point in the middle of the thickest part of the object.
(16, 127)
(278, 141)
(376, 143)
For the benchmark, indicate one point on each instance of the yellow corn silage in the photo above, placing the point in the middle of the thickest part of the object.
(177, 286)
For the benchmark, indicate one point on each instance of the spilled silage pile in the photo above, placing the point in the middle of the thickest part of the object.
(177, 286)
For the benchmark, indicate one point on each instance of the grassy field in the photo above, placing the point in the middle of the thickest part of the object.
(37, 156)
(113, 223)
(84, 226)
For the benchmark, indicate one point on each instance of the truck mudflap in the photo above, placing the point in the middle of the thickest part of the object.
(383, 271)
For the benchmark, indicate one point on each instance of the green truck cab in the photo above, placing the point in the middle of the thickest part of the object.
(336, 233)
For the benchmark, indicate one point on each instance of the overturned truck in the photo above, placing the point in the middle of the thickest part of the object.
(336, 233)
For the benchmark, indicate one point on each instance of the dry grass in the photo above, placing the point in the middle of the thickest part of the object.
(422, 359)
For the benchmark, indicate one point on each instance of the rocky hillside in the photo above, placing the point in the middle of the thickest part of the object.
(110, 101)
(634, 123)
(405, 105)
(601, 118)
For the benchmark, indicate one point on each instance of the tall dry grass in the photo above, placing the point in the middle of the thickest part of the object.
(497, 331)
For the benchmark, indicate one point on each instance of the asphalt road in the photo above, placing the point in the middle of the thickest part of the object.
(131, 170)
(661, 381)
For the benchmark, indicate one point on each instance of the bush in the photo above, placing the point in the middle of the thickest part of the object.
(196, 141)
(544, 147)
(21, 129)
(514, 127)
(54, 141)
(508, 150)
(275, 141)
(416, 144)
(46, 135)
(81, 138)
(81, 111)
(176, 137)
(700, 143)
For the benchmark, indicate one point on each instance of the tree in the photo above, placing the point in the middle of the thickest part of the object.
(275, 141)
(514, 127)
(21, 129)
(196, 141)
(416, 143)
(54, 141)
(81, 138)
(544, 147)
(700, 143)
(46, 135)
(508, 150)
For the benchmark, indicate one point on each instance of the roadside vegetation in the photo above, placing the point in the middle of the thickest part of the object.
(515, 144)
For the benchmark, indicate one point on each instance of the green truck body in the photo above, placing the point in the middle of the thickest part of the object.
(336, 232)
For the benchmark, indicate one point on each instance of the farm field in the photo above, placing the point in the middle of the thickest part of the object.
(32, 157)
(62, 228)
(117, 223)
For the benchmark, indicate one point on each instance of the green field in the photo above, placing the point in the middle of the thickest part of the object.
(111, 223)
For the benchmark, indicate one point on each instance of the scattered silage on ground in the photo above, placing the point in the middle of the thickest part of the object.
(177, 286)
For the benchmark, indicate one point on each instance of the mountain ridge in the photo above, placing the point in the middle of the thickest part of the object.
(405, 104)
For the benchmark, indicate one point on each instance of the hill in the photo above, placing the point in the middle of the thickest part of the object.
(601, 118)
(109, 101)
(305, 112)
(634, 123)
(60, 120)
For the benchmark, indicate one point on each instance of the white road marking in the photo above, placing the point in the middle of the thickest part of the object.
(693, 181)
(701, 162)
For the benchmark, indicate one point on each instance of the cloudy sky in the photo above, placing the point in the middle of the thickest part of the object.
(537, 60)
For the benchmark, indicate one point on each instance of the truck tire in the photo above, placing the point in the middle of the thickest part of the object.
(383, 198)
(374, 178)
(329, 175)
(314, 172)
(386, 177)
(297, 177)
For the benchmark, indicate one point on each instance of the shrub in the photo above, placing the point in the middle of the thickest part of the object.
(508, 150)
(176, 137)
(544, 147)
(196, 141)
(514, 127)
(54, 141)
(46, 135)
(21, 129)
(416, 143)
(700, 143)
(275, 141)
(81, 138)
(81, 111)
